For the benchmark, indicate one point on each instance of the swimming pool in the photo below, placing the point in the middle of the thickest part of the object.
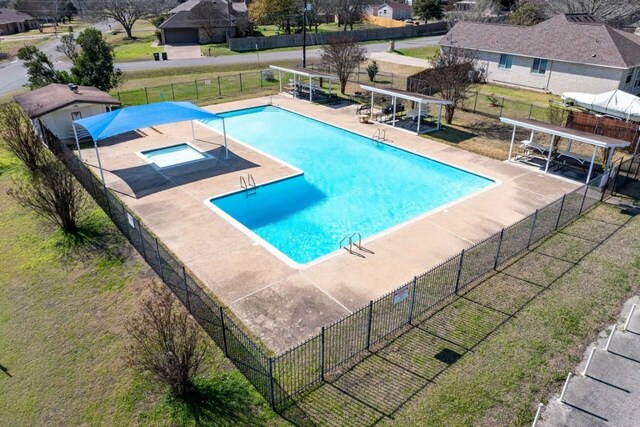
(350, 183)
(173, 155)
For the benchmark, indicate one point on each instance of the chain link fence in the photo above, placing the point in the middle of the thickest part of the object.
(342, 344)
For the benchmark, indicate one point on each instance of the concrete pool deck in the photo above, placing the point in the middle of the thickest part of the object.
(281, 304)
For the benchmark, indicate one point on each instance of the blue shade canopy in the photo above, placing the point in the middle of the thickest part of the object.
(127, 119)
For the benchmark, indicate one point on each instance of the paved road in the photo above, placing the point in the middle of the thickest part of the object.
(13, 75)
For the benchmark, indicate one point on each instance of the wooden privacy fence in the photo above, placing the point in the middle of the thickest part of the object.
(245, 44)
(606, 126)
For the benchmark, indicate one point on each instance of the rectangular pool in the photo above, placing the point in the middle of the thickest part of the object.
(173, 155)
(350, 183)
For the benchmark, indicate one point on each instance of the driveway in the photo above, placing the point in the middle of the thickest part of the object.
(183, 51)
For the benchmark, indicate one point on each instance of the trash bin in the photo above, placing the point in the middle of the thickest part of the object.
(156, 56)
(392, 46)
(164, 56)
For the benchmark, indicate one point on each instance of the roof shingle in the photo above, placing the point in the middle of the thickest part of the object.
(41, 101)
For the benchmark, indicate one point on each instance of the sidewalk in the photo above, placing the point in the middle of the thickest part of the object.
(610, 391)
(399, 59)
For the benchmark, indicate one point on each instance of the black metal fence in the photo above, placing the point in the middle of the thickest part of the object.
(341, 344)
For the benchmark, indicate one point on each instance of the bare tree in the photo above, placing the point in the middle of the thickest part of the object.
(20, 137)
(453, 73)
(127, 12)
(68, 46)
(52, 192)
(350, 11)
(607, 10)
(167, 342)
(211, 19)
(343, 55)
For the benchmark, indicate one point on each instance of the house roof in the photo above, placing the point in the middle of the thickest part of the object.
(8, 16)
(578, 38)
(189, 15)
(47, 99)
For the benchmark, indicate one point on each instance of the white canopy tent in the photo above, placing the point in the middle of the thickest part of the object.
(597, 141)
(303, 72)
(418, 98)
(616, 103)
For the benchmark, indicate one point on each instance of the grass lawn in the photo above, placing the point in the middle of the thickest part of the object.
(488, 357)
(64, 305)
(135, 50)
(423, 52)
(11, 47)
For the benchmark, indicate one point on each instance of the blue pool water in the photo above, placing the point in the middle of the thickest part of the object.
(349, 184)
(174, 155)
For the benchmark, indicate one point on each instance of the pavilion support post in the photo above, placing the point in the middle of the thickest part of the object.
(310, 91)
(513, 139)
(439, 125)
(193, 131)
(419, 117)
(224, 134)
(593, 160)
(330, 80)
(371, 109)
(395, 102)
(607, 168)
(553, 141)
(280, 79)
(75, 134)
(95, 144)
(533, 134)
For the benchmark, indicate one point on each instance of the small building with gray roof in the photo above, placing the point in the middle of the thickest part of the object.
(55, 106)
(567, 53)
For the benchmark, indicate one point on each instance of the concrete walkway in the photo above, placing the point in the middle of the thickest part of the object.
(609, 393)
(183, 51)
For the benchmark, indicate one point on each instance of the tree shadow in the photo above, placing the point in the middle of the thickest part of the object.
(96, 235)
(220, 401)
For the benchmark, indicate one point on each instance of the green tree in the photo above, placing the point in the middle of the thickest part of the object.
(40, 68)
(428, 9)
(372, 70)
(93, 65)
(527, 14)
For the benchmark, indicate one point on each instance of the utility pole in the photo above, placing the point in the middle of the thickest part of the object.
(304, 35)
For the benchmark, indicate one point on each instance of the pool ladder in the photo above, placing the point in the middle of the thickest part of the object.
(348, 242)
(380, 135)
(249, 185)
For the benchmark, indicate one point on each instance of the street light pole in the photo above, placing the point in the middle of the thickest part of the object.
(304, 35)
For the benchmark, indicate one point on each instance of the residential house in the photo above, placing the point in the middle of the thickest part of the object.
(567, 53)
(397, 11)
(13, 21)
(204, 21)
(465, 5)
(55, 106)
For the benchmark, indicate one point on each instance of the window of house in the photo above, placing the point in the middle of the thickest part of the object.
(637, 82)
(506, 61)
(629, 77)
(539, 66)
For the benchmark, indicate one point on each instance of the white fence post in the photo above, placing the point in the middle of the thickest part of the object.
(537, 417)
(613, 331)
(584, 373)
(626, 324)
(564, 389)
